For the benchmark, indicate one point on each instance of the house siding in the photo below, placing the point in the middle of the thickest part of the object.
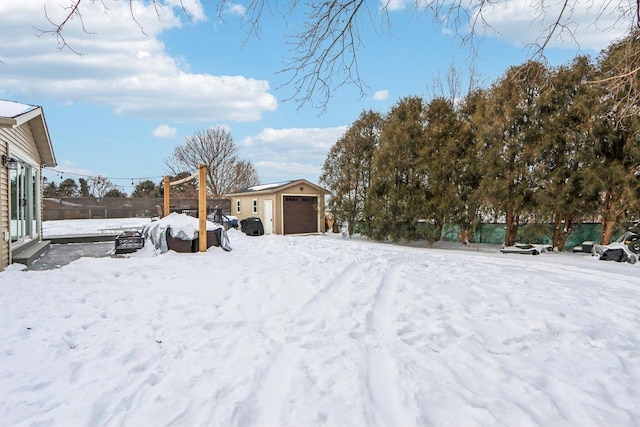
(17, 142)
(246, 207)
(22, 144)
(4, 203)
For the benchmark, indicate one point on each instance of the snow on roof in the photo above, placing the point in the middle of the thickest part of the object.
(13, 109)
(268, 186)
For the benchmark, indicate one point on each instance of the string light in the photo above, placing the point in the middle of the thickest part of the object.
(61, 174)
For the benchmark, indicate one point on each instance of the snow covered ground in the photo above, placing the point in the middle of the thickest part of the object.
(72, 227)
(321, 331)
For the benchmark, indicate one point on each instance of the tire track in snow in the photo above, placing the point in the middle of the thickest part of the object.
(310, 330)
(267, 405)
(381, 367)
(341, 305)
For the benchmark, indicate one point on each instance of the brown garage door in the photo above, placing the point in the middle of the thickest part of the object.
(300, 214)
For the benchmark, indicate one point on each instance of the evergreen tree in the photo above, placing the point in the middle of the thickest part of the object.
(50, 189)
(469, 168)
(615, 174)
(114, 192)
(146, 188)
(447, 164)
(509, 130)
(396, 200)
(68, 188)
(565, 150)
(83, 190)
(347, 170)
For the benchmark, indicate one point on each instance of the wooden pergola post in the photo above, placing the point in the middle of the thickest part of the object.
(202, 207)
(202, 202)
(167, 185)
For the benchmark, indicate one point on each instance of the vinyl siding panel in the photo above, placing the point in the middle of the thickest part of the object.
(23, 144)
(4, 203)
(16, 142)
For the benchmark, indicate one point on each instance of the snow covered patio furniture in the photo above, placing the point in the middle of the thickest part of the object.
(179, 232)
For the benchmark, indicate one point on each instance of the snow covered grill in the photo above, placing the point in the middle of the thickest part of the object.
(129, 241)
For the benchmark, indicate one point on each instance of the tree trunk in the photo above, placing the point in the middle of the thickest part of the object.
(464, 234)
(568, 224)
(512, 229)
(437, 231)
(557, 223)
(607, 231)
(561, 230)
(613, 214)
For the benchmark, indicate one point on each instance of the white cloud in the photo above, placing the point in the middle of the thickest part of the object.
(235, 9)
(381, 95)
(587, 25)
(290, 153)
(165, 132)
(124, 65)
(270, 171)
(392, 5)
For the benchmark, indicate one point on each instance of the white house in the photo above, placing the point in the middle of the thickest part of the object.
(25, 148)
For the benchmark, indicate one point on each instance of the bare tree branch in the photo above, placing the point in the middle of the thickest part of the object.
(326, 50)
(215, 148)
(73, 11)
(324, 54)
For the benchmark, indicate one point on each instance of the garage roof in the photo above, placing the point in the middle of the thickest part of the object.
(14, 114)
(275, 187)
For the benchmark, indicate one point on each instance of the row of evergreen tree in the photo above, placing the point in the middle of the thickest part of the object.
(557, 145)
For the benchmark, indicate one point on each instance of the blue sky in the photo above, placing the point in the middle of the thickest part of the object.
(122, 106)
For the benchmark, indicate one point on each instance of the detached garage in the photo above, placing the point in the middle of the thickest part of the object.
(292, 207)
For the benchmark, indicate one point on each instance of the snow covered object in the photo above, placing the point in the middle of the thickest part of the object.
(625, 249)
(525, 248)
(631, 240)
(184, 228)
(252, 226)
(616, 251)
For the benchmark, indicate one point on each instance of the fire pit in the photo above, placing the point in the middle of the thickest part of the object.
(129, 241)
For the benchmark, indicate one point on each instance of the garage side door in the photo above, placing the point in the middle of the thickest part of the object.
(300, 214)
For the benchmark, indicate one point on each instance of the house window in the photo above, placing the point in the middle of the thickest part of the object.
(255, 206)
(238, 206)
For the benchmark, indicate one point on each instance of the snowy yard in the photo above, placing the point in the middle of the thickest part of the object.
(321, 331)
